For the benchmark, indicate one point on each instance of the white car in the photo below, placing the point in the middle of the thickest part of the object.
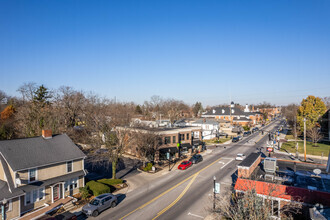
(240, 157)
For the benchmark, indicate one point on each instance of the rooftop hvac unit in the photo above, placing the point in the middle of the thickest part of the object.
(270, 164)
(269, 177)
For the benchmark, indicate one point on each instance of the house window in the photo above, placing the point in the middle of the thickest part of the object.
(28, 198)
(41, 194)
(34, 196)
(167, 140)
(182, 137)
(69, 166)
(173, 139)
(8, 206)
(188, 136)
(32, 175)
(71, 184)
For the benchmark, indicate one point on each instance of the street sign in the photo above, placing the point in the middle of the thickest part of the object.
(269, 149)
(217, 188)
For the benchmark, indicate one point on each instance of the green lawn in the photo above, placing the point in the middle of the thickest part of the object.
(215, 141)
(291, 137)
(322, 148)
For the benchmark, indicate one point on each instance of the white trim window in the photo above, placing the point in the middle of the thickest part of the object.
(34, 196)
(71, 184)
(69, 166)
(33, 175)
(8, 206)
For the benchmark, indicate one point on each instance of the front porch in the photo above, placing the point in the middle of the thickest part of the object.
(42, 211)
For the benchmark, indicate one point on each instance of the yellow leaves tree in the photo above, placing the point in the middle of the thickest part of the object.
(7, 112)
(311, 108)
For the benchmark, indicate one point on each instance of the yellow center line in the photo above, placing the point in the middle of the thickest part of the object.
(177, 199)
(157, 197)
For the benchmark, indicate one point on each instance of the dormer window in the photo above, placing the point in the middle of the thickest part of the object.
(232, 111)
(223, 111)
(213, 111)
(69, 166)
(32, 175)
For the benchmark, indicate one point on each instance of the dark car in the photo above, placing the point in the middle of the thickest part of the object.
(245, 134)
(235, 139)
(196, 158)
(255, 129)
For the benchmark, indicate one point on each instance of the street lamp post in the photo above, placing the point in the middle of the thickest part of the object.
(305, 138)
(214, 179)
(169, 159)
(3, 208)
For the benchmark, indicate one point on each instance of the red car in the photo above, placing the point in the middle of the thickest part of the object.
(184, 165)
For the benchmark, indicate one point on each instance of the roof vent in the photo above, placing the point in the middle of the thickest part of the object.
(47, 134)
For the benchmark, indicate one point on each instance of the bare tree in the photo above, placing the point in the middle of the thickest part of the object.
(326, 101)
(250, 205)
(315, 135)
(147, 143)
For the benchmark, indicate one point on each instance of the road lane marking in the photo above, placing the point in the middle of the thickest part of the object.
(227, 163)
(177, 199)
(198, 216)
(157, 197)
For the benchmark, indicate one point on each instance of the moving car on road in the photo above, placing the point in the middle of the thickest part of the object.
(99, 204)
(235, 139)
(196, 158)
(240, 157)
(184, 165)
(247, 133)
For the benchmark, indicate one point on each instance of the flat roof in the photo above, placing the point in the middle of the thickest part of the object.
(249, 160)
(304, 176)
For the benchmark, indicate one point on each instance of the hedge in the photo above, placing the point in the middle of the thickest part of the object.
(148, 167)
(110, 181)
(98, 188)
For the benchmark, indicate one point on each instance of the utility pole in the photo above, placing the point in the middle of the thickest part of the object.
(329, 123)
(305, 138)
(214, 179)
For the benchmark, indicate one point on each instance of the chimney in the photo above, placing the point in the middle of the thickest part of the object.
(47, 134)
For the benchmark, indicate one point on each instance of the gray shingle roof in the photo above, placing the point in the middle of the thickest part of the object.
(224, 111)
(207, 121)
(35, 152)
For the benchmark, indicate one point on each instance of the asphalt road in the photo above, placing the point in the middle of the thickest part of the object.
(187, 194)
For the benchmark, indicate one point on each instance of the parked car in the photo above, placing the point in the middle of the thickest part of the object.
(235, 139)
(196, 158)
(99, 204)
(255, 129)
(240, 157)
(184, 165)
(247, 133)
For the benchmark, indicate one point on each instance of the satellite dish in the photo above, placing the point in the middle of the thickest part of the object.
(317, 171)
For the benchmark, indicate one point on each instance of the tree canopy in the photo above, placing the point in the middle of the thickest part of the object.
(311, 108)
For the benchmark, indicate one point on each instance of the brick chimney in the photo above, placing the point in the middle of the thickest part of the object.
(47, 134)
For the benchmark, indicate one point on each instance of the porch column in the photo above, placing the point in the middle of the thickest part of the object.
(51, 192)
(63, 190)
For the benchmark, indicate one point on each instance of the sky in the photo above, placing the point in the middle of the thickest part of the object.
(210, 51)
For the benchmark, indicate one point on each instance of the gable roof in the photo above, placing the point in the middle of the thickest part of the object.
(35, 152)
(207, 121)
(224, 111)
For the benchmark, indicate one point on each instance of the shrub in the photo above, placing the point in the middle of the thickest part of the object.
(85, 192)
(110, 181)
(98, 188)
(148, 167)
(246, 128)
